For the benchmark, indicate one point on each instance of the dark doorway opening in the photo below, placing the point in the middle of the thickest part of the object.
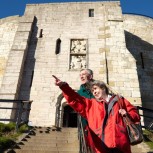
(69, 117)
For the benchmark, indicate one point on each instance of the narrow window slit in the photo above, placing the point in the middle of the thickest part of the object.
(91, 12)
(41, 33)
(58, 46)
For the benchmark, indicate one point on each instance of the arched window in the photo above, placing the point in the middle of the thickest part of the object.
(58, 46)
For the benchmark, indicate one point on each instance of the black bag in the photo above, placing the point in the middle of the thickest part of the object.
(134, 129)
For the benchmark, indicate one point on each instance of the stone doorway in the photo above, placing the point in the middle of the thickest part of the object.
(69, 117)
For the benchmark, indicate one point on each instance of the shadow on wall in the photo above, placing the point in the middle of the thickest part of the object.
(29, 64)
(142, 51)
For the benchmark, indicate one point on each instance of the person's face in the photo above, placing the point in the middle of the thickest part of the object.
(98, 92)
(85, 76)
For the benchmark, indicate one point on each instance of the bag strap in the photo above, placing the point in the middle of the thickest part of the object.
(125, 117)
(119, 101)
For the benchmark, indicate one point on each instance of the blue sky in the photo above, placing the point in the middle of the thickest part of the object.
(17, 7)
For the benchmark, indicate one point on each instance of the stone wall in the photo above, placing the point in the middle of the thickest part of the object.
(107, 54)
(119, 71)
(139, 42)
(8, 28)
(65, 21)
(14, 68)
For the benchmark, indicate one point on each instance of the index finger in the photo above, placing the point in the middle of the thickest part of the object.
(55, 77)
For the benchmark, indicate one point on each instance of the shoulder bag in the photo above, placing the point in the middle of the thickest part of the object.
(134, 130)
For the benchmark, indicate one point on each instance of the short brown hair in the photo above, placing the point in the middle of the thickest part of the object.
(100, 84)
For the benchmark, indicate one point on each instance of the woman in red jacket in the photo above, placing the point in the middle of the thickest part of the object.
(104, 116)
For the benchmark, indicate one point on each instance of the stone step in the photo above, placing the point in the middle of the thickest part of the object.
(141, 148)
(63, 130)
(69, 129)
(44, 140)
(54, 133)
(48, 144)
(38, 151)
(54, 136)
(49, 148)
(26, 143)
(52, 140)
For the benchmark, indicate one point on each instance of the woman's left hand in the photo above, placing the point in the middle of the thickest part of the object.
(122, 112)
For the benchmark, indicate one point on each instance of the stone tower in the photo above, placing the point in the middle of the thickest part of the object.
(61, 39)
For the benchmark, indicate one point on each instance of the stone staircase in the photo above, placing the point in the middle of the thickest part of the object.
(48, 140)
(53, 140)
(141, 148)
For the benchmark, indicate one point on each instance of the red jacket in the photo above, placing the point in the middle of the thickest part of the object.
(107, 131)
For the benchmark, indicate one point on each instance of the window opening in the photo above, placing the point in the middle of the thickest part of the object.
(91, 12)
(58, 46)
(41, 33)
(69, 117)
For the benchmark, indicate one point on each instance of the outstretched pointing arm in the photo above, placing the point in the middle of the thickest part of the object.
(77, 102)
(58, 82)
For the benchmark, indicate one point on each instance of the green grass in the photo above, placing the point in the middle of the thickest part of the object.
(8, 135)
(148, 138)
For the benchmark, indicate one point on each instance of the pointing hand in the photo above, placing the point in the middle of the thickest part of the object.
(58, 82)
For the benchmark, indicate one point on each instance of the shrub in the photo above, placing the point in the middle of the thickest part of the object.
(8, 135)
(5, 143)
(23, 128)
(4, 128)
(148, 138)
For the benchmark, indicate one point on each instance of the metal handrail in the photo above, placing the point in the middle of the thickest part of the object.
(22, 107)
(85, 147)
(147, 115)
(144, 109)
